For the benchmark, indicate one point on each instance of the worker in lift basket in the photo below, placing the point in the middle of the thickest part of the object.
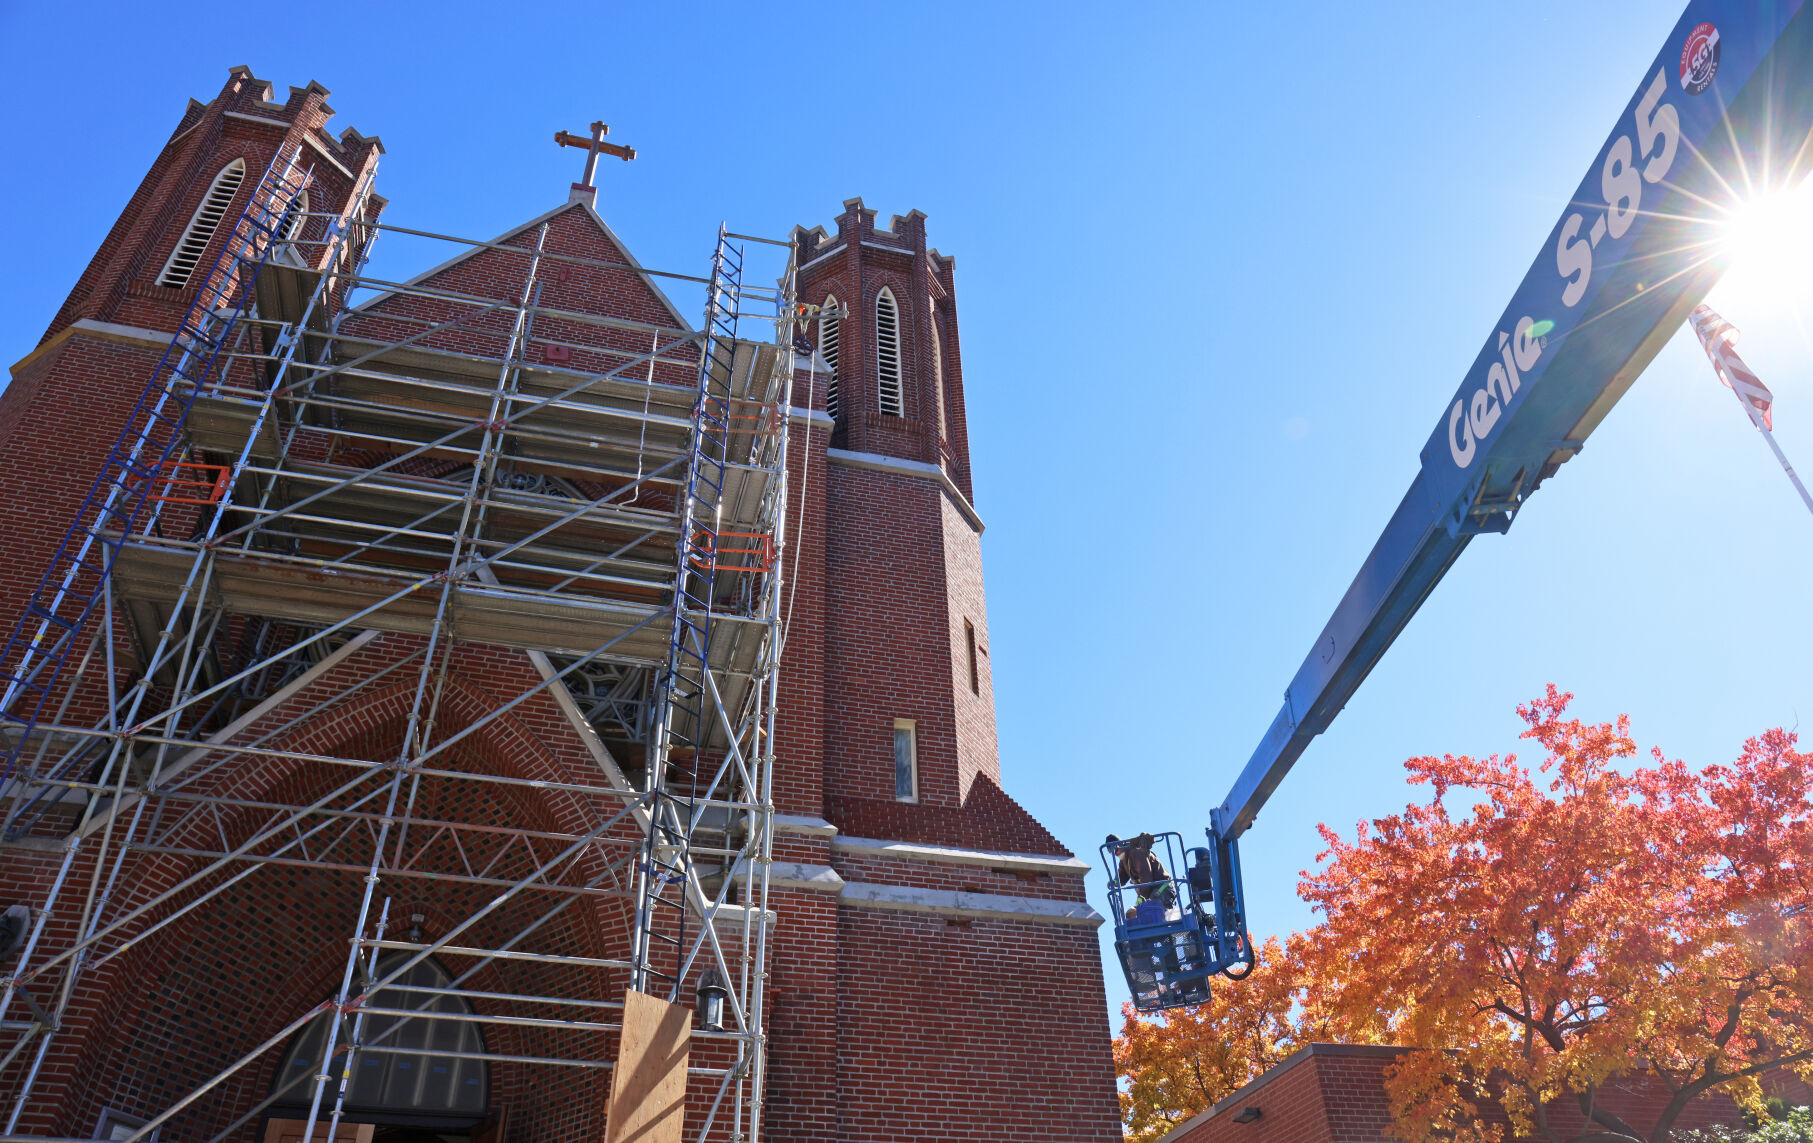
(1135, 866)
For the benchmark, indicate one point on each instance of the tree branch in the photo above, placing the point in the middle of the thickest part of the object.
(1711, 1079)
(1615, 1128)
(1733, 1014)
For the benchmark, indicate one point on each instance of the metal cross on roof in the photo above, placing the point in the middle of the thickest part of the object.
(594, 146)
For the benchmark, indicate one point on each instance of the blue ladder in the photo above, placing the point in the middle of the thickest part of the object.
(682, 690)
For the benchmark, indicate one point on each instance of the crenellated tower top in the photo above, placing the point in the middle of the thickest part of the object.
(895, 347)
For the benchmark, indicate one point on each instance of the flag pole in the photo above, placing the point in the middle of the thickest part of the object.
(1718, 338)
(1793, 477)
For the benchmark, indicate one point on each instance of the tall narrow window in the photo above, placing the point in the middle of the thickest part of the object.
(200, 232)
(975, 676)
(938, 379)
(887, 353)
(906, 761)
(827, 348)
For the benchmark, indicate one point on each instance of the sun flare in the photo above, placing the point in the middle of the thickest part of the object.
(1769, 241)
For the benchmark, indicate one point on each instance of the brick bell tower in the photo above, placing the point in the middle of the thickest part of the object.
(906, 628)
(963, 996)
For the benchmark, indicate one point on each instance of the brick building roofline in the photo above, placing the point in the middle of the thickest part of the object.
(680, 322)
(351, 138)
(898, 235)
(244, 71)
(1245, 1094)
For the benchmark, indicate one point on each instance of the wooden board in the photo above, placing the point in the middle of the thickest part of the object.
(290, 1131)
(648, 1085)
(494, 1129)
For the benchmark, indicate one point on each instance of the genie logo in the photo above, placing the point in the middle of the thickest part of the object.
(1699, 59)
(1471, 420)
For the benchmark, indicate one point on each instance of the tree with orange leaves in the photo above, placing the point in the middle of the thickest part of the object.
(1183, 1061)
(1567, 933)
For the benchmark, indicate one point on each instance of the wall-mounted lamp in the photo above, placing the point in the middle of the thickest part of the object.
(1247, 1115)
(714, 991)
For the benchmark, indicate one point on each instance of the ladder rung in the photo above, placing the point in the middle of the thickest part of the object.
(50, 617)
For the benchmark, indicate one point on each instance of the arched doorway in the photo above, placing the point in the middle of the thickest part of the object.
(417, 1079)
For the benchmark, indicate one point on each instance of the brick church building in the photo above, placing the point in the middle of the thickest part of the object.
(182, 885)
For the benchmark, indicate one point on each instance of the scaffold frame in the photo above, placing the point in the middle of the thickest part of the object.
(359, 496)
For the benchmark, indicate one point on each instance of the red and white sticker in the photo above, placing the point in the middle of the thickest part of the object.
(1699, 59)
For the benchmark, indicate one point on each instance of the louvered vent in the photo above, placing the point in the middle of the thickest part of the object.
(827, 348)
(201, 229)
(887, 353)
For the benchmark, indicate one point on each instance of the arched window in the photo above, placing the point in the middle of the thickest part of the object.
(827, 347)
(408, 1064)
(289, 227)
(887, 353)
(200, 231)
(294, 216)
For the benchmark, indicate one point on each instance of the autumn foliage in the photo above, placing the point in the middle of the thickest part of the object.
(1185, 1060)
(1546, 931)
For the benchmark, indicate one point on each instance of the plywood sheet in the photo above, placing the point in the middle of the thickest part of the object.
(648, 1085)
(290, 1131)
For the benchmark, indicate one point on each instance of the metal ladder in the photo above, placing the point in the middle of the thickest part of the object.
(682, 688)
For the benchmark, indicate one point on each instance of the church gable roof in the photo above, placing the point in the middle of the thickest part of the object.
(597, 310)
(576, 231)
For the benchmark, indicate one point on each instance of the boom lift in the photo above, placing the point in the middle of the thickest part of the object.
(1723, 112)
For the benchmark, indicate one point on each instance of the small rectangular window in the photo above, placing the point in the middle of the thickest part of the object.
(115, 1125)
(906, 761)
(975, 676)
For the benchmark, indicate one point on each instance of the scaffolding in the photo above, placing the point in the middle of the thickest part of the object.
(338, 497)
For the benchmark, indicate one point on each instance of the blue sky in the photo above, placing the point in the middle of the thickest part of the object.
(1220, 268)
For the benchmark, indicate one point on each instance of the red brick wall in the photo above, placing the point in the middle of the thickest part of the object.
(973, 711)
(887, 652)
(804, 1059)
(799, 769)
(959, 1030)
(58, 419)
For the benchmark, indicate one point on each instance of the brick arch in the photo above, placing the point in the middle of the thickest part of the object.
(215, 985)
(525, 743)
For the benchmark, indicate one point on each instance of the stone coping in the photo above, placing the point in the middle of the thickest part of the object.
(952, 855)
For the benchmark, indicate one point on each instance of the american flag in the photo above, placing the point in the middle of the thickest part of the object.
(1719, 338)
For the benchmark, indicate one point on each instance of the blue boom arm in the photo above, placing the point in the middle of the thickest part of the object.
(1724, 111)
